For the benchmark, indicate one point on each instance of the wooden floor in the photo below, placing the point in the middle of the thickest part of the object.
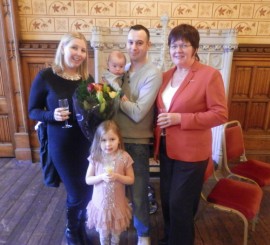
(32, 214)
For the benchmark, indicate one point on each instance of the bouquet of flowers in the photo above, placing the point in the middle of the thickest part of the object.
(94, 103)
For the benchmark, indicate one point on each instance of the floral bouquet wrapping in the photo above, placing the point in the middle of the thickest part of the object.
(94, 103)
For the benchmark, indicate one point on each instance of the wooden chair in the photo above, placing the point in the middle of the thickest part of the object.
(235, 161)
(234, 196)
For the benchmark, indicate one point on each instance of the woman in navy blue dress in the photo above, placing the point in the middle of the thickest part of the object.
(67, 147)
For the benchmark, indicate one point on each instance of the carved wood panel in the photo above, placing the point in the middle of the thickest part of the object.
(5, 134)
(249, 99)
(6, 129)
(30, 67)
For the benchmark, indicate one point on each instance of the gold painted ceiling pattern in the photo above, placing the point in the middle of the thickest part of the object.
(49, 19)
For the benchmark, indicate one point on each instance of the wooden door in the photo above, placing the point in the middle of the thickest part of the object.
(30, 67)
(6, 126)
(249, 99)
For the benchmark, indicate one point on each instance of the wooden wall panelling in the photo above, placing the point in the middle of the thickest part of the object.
(35, 56)
(33, 59)
(13, 122)
(249, 97)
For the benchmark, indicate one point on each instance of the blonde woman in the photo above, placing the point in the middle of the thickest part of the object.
(67, 147)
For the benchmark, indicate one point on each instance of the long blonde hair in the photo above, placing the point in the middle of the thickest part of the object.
(58, 65)
(103, 128)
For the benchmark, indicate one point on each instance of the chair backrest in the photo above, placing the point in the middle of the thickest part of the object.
(233, 142)
(209, 170)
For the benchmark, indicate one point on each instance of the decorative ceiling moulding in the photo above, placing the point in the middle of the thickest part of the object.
(254, 48)
(39, 45)
(37, 48)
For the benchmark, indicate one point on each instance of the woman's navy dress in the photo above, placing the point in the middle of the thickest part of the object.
(67, 147)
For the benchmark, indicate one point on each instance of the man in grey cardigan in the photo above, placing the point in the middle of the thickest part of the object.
(135, 118)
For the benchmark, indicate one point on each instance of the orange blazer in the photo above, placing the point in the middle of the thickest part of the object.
(202, 103)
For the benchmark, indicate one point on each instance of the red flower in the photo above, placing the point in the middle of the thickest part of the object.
(90, 87)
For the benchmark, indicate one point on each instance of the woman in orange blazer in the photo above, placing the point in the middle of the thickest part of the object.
(193, 98)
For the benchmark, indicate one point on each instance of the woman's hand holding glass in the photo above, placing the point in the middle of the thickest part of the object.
(166, 119)
(162, 118)
(62, 113)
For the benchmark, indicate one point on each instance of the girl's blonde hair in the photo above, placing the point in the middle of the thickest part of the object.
(58, 65)
(103, 128)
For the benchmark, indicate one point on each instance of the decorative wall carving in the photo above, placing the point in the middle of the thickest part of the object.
(262, 49)
(6, 7)
(48, 19)
(5, 135)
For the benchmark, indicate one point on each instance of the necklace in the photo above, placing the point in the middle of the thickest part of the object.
(74, 77)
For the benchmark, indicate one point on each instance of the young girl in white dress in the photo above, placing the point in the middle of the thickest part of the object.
(110, 169)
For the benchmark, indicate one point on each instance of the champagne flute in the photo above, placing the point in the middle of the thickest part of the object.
(63, 103)
(108, 164)
(163, 131)
(109, 167)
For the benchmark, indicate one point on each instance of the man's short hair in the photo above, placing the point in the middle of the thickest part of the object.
(141, 27)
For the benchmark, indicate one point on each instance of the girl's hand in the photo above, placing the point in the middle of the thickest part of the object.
(105, 177)
(113, 176)
(109, 177)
